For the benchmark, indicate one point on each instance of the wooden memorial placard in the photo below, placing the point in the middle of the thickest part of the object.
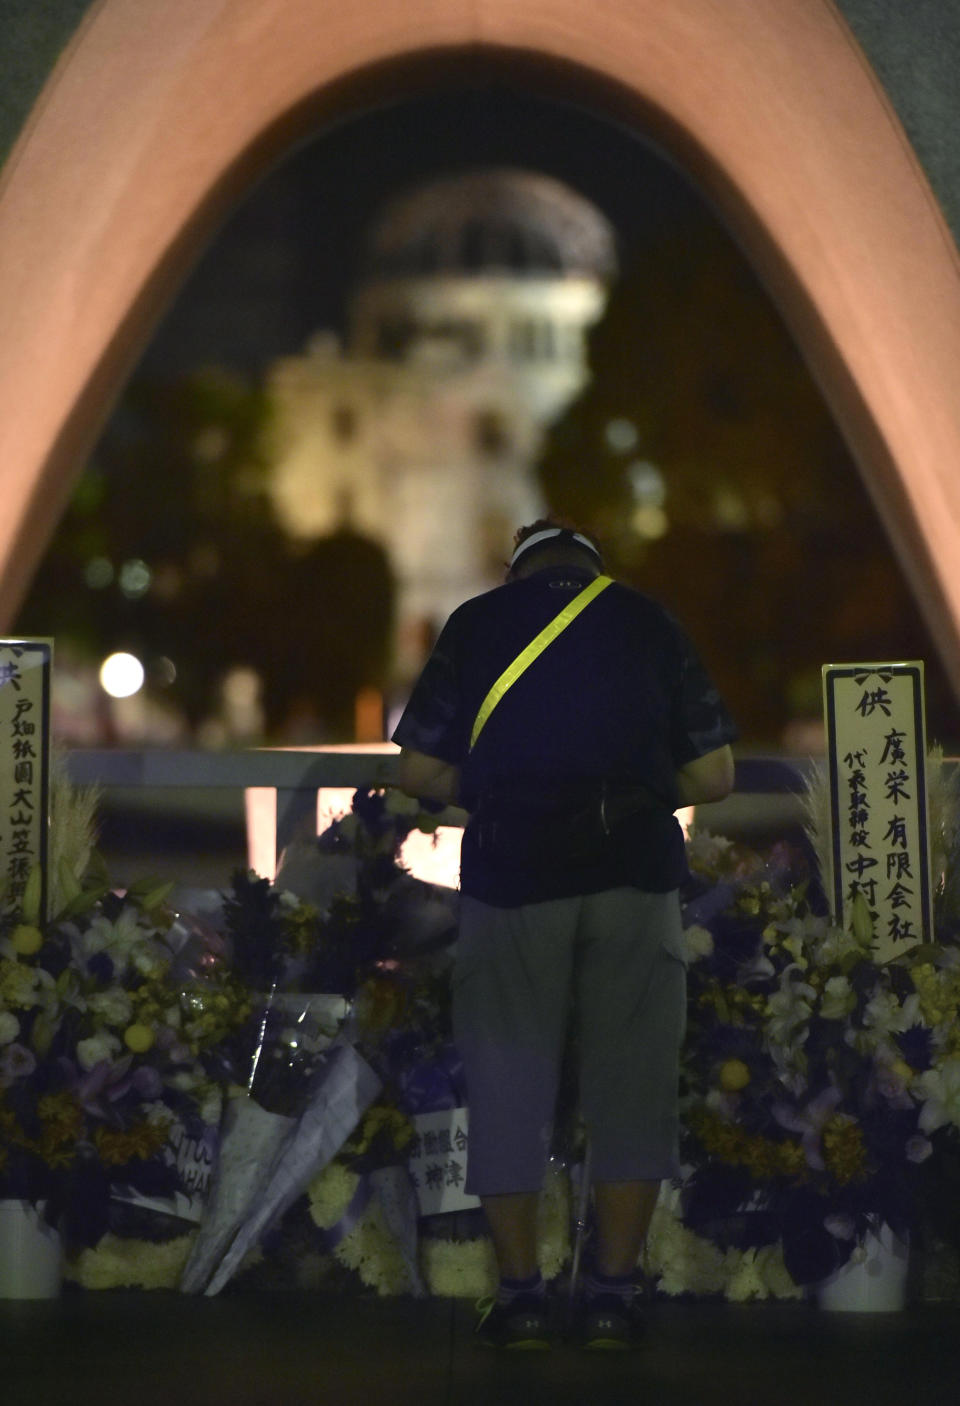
(877, 754)
(25, 671)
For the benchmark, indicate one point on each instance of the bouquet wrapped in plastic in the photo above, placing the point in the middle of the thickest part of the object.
(305, 1094)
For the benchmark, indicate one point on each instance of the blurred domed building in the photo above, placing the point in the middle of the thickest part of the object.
(466, 340)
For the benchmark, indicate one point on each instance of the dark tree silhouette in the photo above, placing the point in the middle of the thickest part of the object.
(702, 423)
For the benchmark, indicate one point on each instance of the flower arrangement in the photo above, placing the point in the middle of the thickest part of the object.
(104, 1030)
(821, 1088)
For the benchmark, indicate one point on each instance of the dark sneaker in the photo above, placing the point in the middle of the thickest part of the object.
(610, 1323)
(521, 1324)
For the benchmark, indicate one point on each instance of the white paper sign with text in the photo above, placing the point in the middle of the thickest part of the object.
(438, 1161)
(876, 753)
(25, 668)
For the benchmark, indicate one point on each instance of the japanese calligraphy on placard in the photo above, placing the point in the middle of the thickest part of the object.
(25, 667)
(438, 1161)
(876, 744)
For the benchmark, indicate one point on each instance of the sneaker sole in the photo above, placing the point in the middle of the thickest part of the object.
(521, 1345)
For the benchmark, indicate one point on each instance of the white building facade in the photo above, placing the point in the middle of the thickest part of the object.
(467, 338)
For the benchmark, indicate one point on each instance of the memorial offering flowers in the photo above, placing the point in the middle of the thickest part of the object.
(344, 971)
(820, 1084)
(105, 1025)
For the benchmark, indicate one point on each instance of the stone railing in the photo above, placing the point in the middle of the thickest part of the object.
(281, 785)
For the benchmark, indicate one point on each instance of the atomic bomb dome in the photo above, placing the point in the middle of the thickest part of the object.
(500, 220)
(466, 339)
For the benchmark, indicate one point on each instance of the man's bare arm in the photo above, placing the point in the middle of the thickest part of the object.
(706, 778)
(427, 777)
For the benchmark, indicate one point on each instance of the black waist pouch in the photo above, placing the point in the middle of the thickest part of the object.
(571, 824)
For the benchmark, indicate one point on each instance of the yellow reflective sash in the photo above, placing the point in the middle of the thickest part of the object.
(535, 648)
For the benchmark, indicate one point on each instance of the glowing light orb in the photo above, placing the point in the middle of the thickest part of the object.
(121, 675)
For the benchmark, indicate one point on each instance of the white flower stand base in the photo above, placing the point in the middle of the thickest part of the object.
(31, 1255)
(875, 1283)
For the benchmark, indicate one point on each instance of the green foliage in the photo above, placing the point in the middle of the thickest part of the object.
(178, 482)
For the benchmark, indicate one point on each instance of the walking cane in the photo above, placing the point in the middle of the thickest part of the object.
(583, 1202)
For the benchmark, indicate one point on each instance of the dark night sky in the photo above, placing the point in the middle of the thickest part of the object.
(282, 265)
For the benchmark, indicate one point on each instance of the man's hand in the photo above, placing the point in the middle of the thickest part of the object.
(427, 777)
(706, 778)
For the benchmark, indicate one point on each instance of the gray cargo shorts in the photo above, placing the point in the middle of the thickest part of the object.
(613, 964)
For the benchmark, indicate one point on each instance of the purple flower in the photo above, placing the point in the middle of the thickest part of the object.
(809, 1123)
(147, 1082)
(104, 1084)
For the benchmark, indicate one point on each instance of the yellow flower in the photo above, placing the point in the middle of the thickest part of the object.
(138, 1038)
(791, 1158)
(116, 1146)
(382, 1116)
(843, 1149)
(61, 1114)
(26, 939)
(734, 1075)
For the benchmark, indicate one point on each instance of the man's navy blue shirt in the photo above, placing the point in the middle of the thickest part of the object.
(619, 695)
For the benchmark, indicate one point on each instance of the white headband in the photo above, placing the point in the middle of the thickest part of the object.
(545, 536)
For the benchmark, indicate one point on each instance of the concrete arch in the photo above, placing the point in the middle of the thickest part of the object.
(161, 112)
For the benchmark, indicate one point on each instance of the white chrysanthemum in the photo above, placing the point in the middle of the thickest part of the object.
(130, 1264)
(113, 1007)
(97, 1048)
(940, 1090)
(744, 1281)
(697, 942)
(330, 1193)
(9, 1027)
(23, 987)
(680, 1260)
(373, 1252)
